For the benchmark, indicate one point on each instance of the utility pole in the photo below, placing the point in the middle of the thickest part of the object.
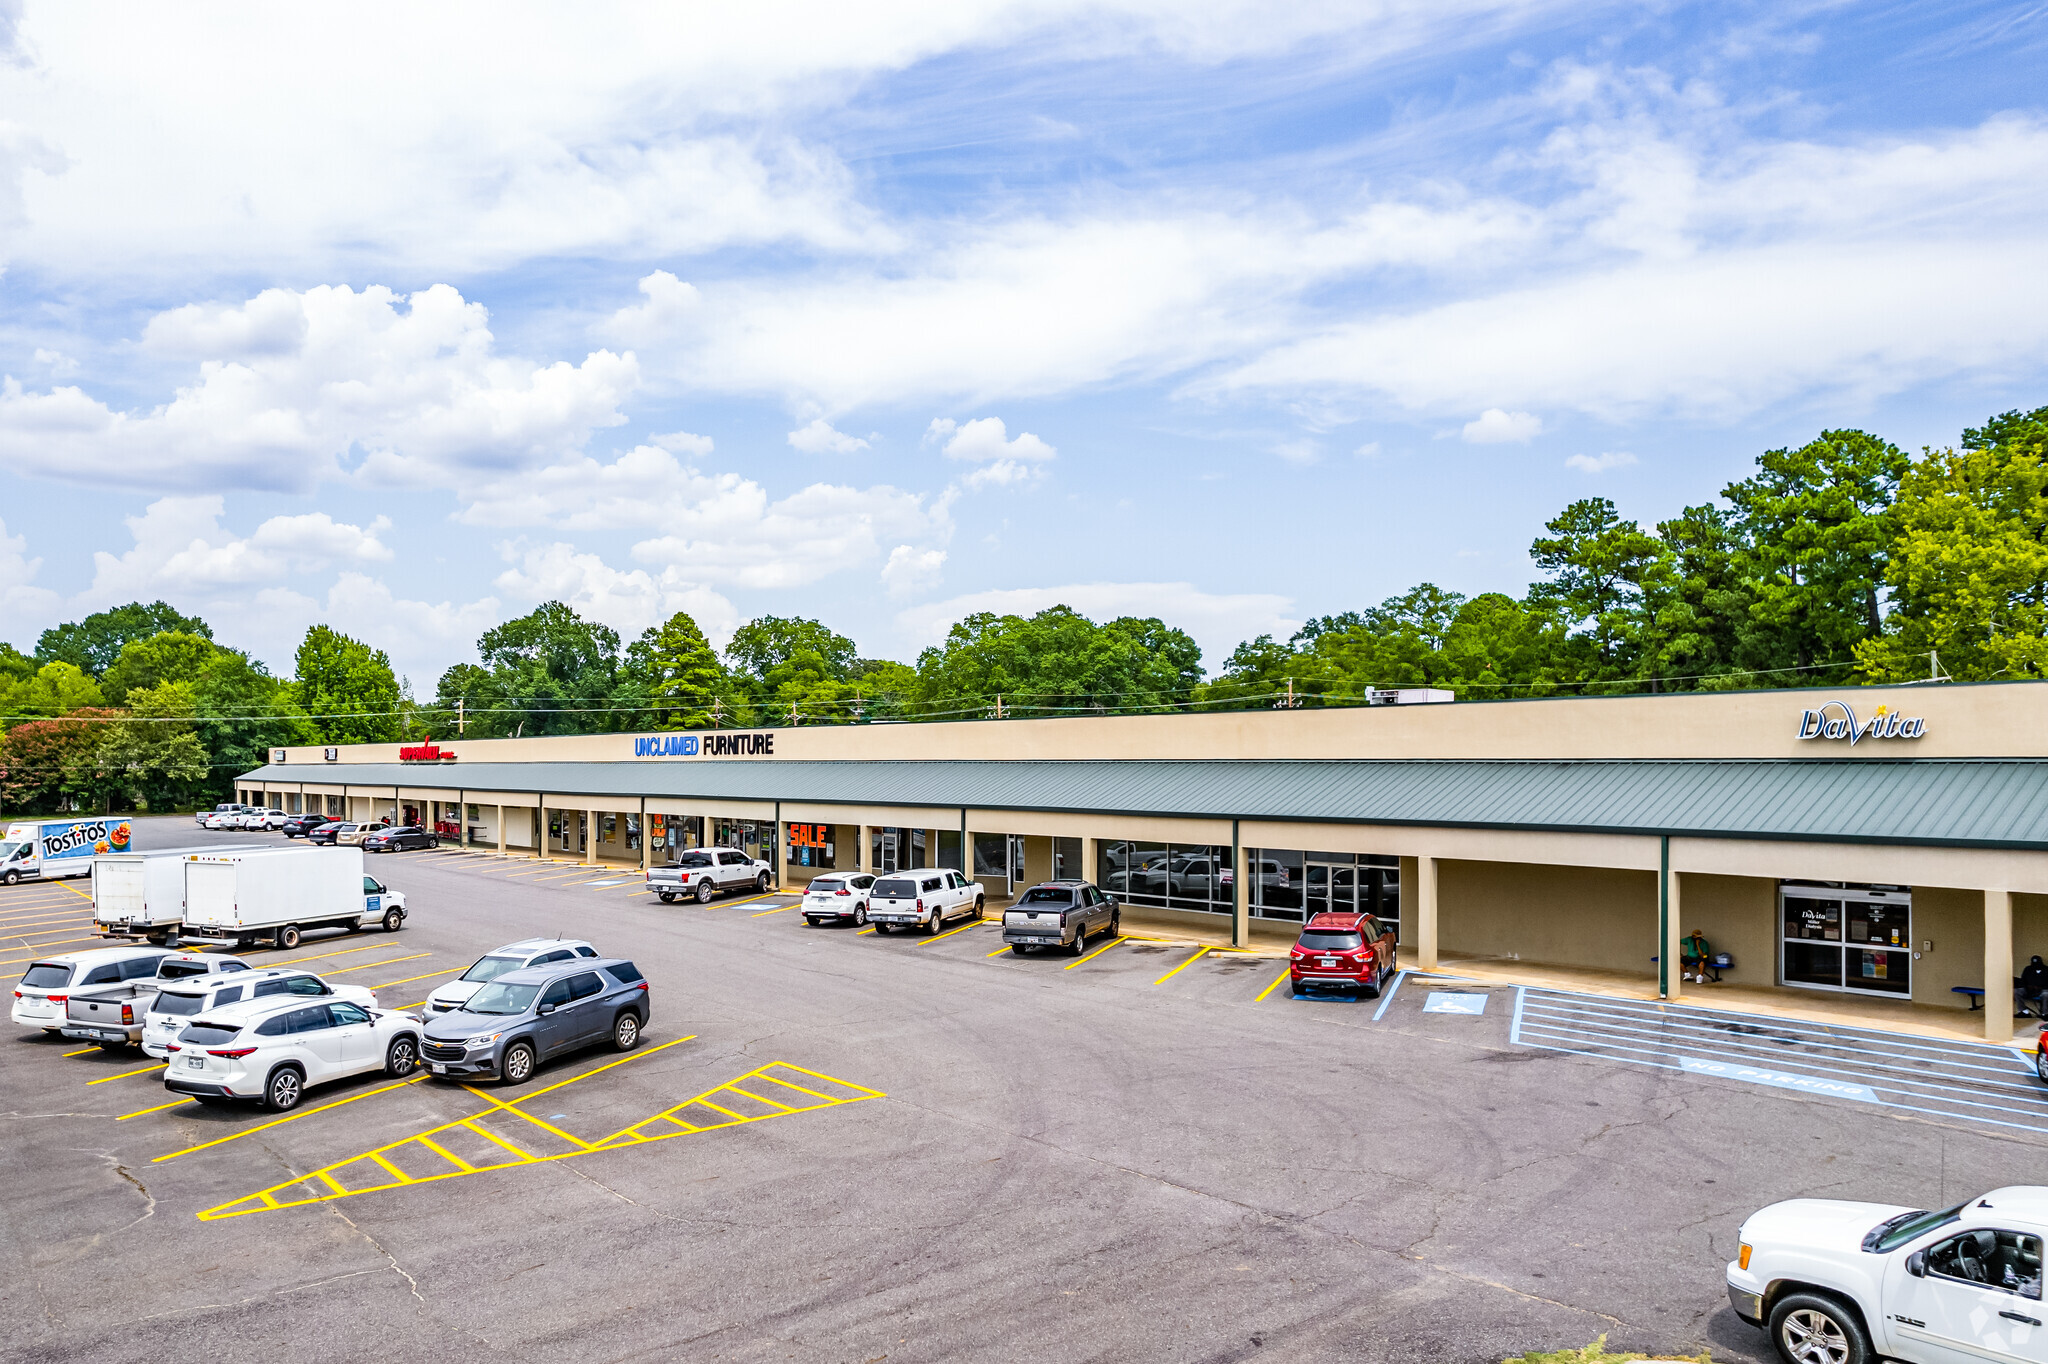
(461, 722)
(717, 712)
(1291, 702)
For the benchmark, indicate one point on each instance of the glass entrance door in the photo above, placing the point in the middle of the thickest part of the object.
(1852, 938)
(1330, 887)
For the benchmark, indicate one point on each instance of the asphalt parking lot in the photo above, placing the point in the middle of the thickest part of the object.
(837, 1145)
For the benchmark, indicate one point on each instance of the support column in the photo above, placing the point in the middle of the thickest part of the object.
(1425, 913)
(1240, 891)
(1091, 855)
(1670, 961)
(646, 838)
(864, 854)
(1998, 967)
(541, 850)
(501, 830)
(591, 830)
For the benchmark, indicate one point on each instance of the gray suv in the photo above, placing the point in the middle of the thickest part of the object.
(531, 1015)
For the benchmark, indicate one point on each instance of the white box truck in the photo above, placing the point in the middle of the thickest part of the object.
(46, 849)
(279, 894)
(142, 894)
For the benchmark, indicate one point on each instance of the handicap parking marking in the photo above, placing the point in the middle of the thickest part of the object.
(1957, 1080)
(1455, 1002)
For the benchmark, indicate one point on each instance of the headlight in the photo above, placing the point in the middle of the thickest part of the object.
(479, 1043)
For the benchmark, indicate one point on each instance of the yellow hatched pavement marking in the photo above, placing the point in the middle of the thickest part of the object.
(800, 1091)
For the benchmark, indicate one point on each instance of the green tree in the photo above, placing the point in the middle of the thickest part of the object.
(553, 672)
(1599, 565)
(794, 668)
(347, 689)
(171, 656)
(1819, 528)
(154, 758)
(680, 674)
(94, 643)
(1057, 662)
(240, 713)
(56, 689)
(15, 666)
(1969, 573)
(50, 764)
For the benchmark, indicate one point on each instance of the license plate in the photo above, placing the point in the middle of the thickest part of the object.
(194, 1063)
(434, 1068)
(1329, 961)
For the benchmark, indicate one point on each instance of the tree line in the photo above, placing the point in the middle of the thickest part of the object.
(1843, 561)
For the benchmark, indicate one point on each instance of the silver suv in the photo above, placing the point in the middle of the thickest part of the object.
(524, 1017)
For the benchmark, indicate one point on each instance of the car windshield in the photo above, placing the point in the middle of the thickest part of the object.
(895, 887)
(827, 887)
(1894, 1232)
(178, 1006)
(490, 968)
(8, 850)
(1331, 942)
(694, 859)
(502, 999)
(43, 975)
(1047, 895)
(208, 1034)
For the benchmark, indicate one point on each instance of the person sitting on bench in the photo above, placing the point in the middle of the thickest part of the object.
(1692, 957)
(2033, 984)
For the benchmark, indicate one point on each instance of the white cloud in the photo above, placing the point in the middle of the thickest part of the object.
(912, 570)
(820, 438)
(628, 600)
(1369, 450)
(1219, 622)
(291, 384)
(1300, 453)
(180, 546)
(1600, 463)
(422, 638)
(1004, 473)
(57, 362)
(21, 600)
(683, 443)
(670, 302)
(986, 438)
(1495, 427)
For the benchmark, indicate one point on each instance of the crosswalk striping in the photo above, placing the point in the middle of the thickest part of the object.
(1964, 1081)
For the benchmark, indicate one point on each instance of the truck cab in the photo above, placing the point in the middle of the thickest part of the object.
(923, 899)
(115, 1015)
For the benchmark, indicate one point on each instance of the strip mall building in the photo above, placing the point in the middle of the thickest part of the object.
(1884, 843)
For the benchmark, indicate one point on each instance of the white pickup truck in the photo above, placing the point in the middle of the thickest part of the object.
(1844, 1283)
(704, 872)
(923, 899)
(114, 1015)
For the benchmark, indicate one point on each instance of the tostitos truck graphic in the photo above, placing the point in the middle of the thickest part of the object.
(46, 849)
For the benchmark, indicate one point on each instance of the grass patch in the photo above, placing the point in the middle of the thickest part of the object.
(1596, 1353)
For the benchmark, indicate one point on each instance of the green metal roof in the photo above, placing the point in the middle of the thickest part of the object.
(1970, 803)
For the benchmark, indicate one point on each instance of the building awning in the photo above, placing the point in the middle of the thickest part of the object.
(1969, 803)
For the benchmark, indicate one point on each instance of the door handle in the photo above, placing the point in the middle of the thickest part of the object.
(2014, 1316)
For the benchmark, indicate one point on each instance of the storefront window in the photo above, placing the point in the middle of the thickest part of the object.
(1189, 876)
(1843, 937)
(811, 845)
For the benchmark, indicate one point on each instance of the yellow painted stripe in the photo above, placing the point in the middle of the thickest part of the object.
(407, 980)
(438, 1149)
(1000, 950)
(1199, 954)
(319, 956)
(37, 955)
(66, 920)
(401, 1176)
(1093, 955)
(388, 961)
(488, 1135)
(1275, 985)
(517, 1112)
(949, 933)
(293, 1116)
(784, 910)
(760, 1098)
(126, 1073)
(865, 931)
(158, 1109)
(82, 1051)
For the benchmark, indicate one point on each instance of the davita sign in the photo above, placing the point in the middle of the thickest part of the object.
(1837, 720)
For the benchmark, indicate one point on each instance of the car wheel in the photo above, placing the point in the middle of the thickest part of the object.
(938, 922)
(392, 920)
(403, 1058)
(288, 937)
(1080, 939)
(1020, 949)
(761, 884)
(285, 1088)
(1116, 923)
(860, 916)
(2041, 1062)
(665, 897)
(705, 892)
(434, 842)
(518, 1067)
(1811, 1328)
(12, 878)
(881, 930)
(626, 1031)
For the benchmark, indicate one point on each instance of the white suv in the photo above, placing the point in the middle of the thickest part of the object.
(511, 957)
(177, 1004)
(838, 898)
(272, 1050)
(922, 899)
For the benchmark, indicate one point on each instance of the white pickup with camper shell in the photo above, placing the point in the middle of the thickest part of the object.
(923, 899)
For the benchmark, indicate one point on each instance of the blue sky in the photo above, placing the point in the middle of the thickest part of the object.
(405, 322)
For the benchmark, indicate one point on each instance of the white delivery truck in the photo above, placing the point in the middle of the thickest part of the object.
(278, 894)
(142, 894)
(45, 849)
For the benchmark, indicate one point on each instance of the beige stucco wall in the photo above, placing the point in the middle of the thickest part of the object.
(1597, 917)
(1989, 720)
(1738, 914)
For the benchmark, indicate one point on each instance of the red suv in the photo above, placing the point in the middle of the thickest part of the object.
(1353, 951)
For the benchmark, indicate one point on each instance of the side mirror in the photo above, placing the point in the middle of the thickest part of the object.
(1916, 1264)
(544, 1010)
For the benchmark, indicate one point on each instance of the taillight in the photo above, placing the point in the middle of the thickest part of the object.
(920, 909)
(127, 1013)
(641, 985)
(57, 999)
(172, 1047)
(234, 1053)
(842, 892)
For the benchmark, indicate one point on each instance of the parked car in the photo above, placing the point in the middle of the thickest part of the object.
(515, 956)
(219, 819)
(399, 837)
(200, 816)
(272, 1050)
(297, 825)
(525, 1017)
(704, 872)
(44, 989)
(1837, 1282)
(923, 899)
(272, 820)
(352, 835)
(329, 834)
(1348, 951)
(1060, 914)
(113, 1015)
(178, 1003)
(841, 898)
